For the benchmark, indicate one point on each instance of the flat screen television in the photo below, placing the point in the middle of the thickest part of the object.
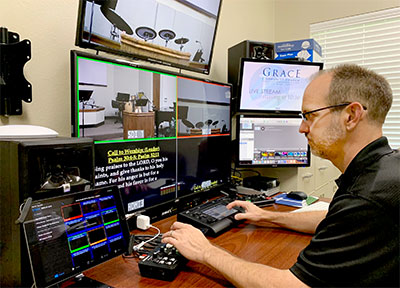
(274, 85)
(172, 148)
(178, 33)
(69, 234)
(271, 141)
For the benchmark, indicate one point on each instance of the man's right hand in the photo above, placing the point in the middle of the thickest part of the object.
(305, 222)
(252, 212)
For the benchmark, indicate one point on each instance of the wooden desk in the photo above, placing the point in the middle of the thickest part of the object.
(267, 244)
(138, 124)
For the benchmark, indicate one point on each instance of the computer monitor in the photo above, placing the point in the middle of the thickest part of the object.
(162, 157)
(69, 234)
(274, 85)
(178, 33)
(271, 141)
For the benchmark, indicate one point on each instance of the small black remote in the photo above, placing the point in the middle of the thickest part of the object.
(163, 263)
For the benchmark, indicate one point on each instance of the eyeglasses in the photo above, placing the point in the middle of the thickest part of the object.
(305, 115)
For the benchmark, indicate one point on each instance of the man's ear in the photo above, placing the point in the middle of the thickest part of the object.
(354, 113)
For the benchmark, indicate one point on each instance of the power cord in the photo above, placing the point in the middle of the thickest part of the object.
(137, 247)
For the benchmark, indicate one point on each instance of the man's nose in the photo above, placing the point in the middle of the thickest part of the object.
(304, 128)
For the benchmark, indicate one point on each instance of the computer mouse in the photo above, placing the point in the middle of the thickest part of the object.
(297, 195)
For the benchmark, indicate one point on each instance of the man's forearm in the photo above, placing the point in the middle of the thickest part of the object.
(305, 222)
(246, 274)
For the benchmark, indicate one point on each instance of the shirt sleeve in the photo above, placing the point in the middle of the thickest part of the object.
(357, 244)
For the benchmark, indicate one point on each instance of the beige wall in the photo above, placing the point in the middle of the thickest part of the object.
(51, 24)
(240, 20)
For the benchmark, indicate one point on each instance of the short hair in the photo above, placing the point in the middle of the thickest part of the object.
(352, 83)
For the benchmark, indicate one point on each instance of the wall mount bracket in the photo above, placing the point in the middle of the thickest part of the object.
(13, 86)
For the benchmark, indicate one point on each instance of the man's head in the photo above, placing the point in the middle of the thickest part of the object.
(353, 100)
(352, 83)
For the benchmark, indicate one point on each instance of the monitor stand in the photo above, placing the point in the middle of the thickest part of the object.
(83, 281)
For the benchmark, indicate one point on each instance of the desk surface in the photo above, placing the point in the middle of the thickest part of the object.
(267, 244)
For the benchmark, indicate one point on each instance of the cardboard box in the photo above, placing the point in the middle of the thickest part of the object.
(306, 49)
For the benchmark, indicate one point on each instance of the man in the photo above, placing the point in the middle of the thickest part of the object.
(356, 242)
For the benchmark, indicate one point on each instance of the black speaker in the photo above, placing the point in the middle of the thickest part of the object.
(36, 168)
(245, 49)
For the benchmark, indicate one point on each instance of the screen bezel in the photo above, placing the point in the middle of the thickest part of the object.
(266, 116)
(80, 43)
(109, 190)
(243, 61)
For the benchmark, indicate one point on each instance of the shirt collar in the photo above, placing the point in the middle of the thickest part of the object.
(368, 155)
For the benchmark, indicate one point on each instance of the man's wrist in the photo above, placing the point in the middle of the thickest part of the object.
(209, 253)
(269, 216)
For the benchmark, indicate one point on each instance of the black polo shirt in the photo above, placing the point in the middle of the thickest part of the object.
(357, 244)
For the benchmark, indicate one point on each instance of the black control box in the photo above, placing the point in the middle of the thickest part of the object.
(163, 263)
(260, 183)
(212, 218)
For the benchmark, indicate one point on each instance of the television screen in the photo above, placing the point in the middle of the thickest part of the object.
(271, 141)
(69, 234)
(163, 148)
(178, 33)
(274, 85)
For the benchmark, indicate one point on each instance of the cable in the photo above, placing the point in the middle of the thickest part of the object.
(151, 244)
(237, 177)
(139, 246)
(128, 216)
(24, 209)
